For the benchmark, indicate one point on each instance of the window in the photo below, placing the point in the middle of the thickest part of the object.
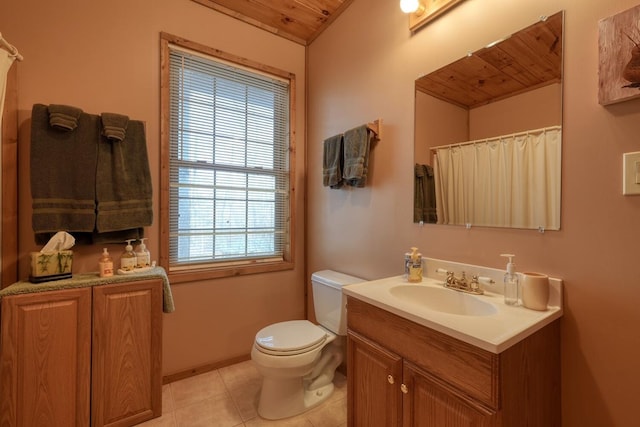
(226, 162)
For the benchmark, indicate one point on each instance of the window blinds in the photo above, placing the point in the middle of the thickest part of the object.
(229, 162)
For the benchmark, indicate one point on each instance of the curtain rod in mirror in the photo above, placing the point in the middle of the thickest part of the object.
(495, 138)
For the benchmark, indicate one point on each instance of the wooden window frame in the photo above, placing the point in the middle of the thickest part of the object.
(196, 272)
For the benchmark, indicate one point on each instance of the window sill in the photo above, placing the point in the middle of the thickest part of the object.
(200, 274)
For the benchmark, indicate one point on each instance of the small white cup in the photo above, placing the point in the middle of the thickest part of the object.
(535, 291)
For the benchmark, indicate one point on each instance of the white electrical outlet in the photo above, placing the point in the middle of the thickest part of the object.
(631, 173)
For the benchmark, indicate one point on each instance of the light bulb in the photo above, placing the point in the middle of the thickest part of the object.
(409, 6)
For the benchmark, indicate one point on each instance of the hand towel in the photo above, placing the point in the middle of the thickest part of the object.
(123, 182)
(114, 126)
(95, 238)
(424, 202)
(63, 166)
(357, 142)
(332, 162)
(64, 117)
(119, 236)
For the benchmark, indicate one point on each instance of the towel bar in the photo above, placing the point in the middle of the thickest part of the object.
(376, 127)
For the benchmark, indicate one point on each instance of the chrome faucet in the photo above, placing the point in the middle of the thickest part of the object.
(461, 284)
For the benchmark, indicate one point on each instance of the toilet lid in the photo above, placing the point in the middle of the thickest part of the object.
(293, 336)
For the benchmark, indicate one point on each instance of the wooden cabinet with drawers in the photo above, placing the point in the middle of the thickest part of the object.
(401, 373)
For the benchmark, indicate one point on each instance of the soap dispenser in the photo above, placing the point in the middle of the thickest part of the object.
(143, 257)
(511, 282)
(415, 266)
(105, 264)
(128, 258)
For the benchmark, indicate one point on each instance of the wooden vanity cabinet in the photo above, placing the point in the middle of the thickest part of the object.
(82, 356)
(401, 373)
(126, 356)
(45, 365)
(374, 375)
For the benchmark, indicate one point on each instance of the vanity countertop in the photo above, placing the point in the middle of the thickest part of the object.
(495, 332)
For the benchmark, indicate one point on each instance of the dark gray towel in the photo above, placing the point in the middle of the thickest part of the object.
(123, 182)
(64, 117)
(424, 195)
(332, 162)
(357, 142)
(114, 126)
(119, 236)
(63, 166)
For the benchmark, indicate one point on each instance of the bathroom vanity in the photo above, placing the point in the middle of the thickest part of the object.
(412, 366)
(83, 355)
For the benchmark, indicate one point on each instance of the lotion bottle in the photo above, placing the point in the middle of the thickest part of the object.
(415, 266)
(143, 257)
(105, 264)
(511, 282)
(128, 258)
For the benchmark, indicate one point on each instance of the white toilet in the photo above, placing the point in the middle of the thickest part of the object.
(298, 359)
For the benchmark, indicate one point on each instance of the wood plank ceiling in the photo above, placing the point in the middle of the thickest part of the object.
(298, 20)
(527, 60)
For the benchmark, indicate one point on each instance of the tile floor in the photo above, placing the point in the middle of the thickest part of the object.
(228, 397)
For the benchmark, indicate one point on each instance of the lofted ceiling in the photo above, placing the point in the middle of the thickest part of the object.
(527, 60)
(298, 20)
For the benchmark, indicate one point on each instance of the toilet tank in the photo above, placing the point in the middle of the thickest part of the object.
(330, 305)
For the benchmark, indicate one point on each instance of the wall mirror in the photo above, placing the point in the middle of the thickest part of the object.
(488, 134)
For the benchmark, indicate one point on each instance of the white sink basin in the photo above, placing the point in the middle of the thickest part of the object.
(443, 300)
(481, 320)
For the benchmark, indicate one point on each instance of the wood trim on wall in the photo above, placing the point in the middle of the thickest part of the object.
(9, 231)
(190, 274)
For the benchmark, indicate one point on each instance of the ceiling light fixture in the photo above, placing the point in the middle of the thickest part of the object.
(412, 6)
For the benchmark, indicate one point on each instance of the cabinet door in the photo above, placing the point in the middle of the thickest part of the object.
(45, 359)
(127, 353)
(373, 384)
(429, 402)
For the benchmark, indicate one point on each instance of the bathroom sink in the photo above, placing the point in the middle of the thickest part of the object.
(443, 300)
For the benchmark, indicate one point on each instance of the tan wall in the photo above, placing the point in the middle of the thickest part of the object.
(105, 58)
(530, 110)
(364, 67)
(437, 123)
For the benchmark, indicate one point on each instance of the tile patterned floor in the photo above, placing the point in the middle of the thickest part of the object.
(228, 397)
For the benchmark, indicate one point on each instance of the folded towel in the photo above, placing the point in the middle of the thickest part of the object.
(123, 182)
(356, 155)
(332, 162)
(114, 126)
(64, 117)
(63, 166)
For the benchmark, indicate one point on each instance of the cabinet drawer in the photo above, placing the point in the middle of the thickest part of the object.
(469, 369)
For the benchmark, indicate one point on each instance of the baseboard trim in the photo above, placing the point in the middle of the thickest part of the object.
(205, 368)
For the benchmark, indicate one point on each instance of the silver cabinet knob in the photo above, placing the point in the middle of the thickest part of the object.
(390, 379)
(404, 388)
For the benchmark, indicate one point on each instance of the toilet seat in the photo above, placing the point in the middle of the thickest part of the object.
(290, 338)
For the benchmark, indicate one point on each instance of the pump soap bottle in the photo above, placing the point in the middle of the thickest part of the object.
(128, 258)
(415, 266)
(511, 282)
(105, 263)
(143, 257)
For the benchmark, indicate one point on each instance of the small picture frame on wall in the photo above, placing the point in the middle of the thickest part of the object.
(619, 57)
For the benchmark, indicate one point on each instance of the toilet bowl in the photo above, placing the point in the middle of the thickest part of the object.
(298, 359)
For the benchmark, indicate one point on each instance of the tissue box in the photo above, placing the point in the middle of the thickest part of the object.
(50, 266)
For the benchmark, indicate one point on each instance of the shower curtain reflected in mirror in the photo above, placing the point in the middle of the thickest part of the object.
(6, 60)
(510, 180)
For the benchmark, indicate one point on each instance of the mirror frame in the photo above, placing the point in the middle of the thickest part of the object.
(494, 73)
